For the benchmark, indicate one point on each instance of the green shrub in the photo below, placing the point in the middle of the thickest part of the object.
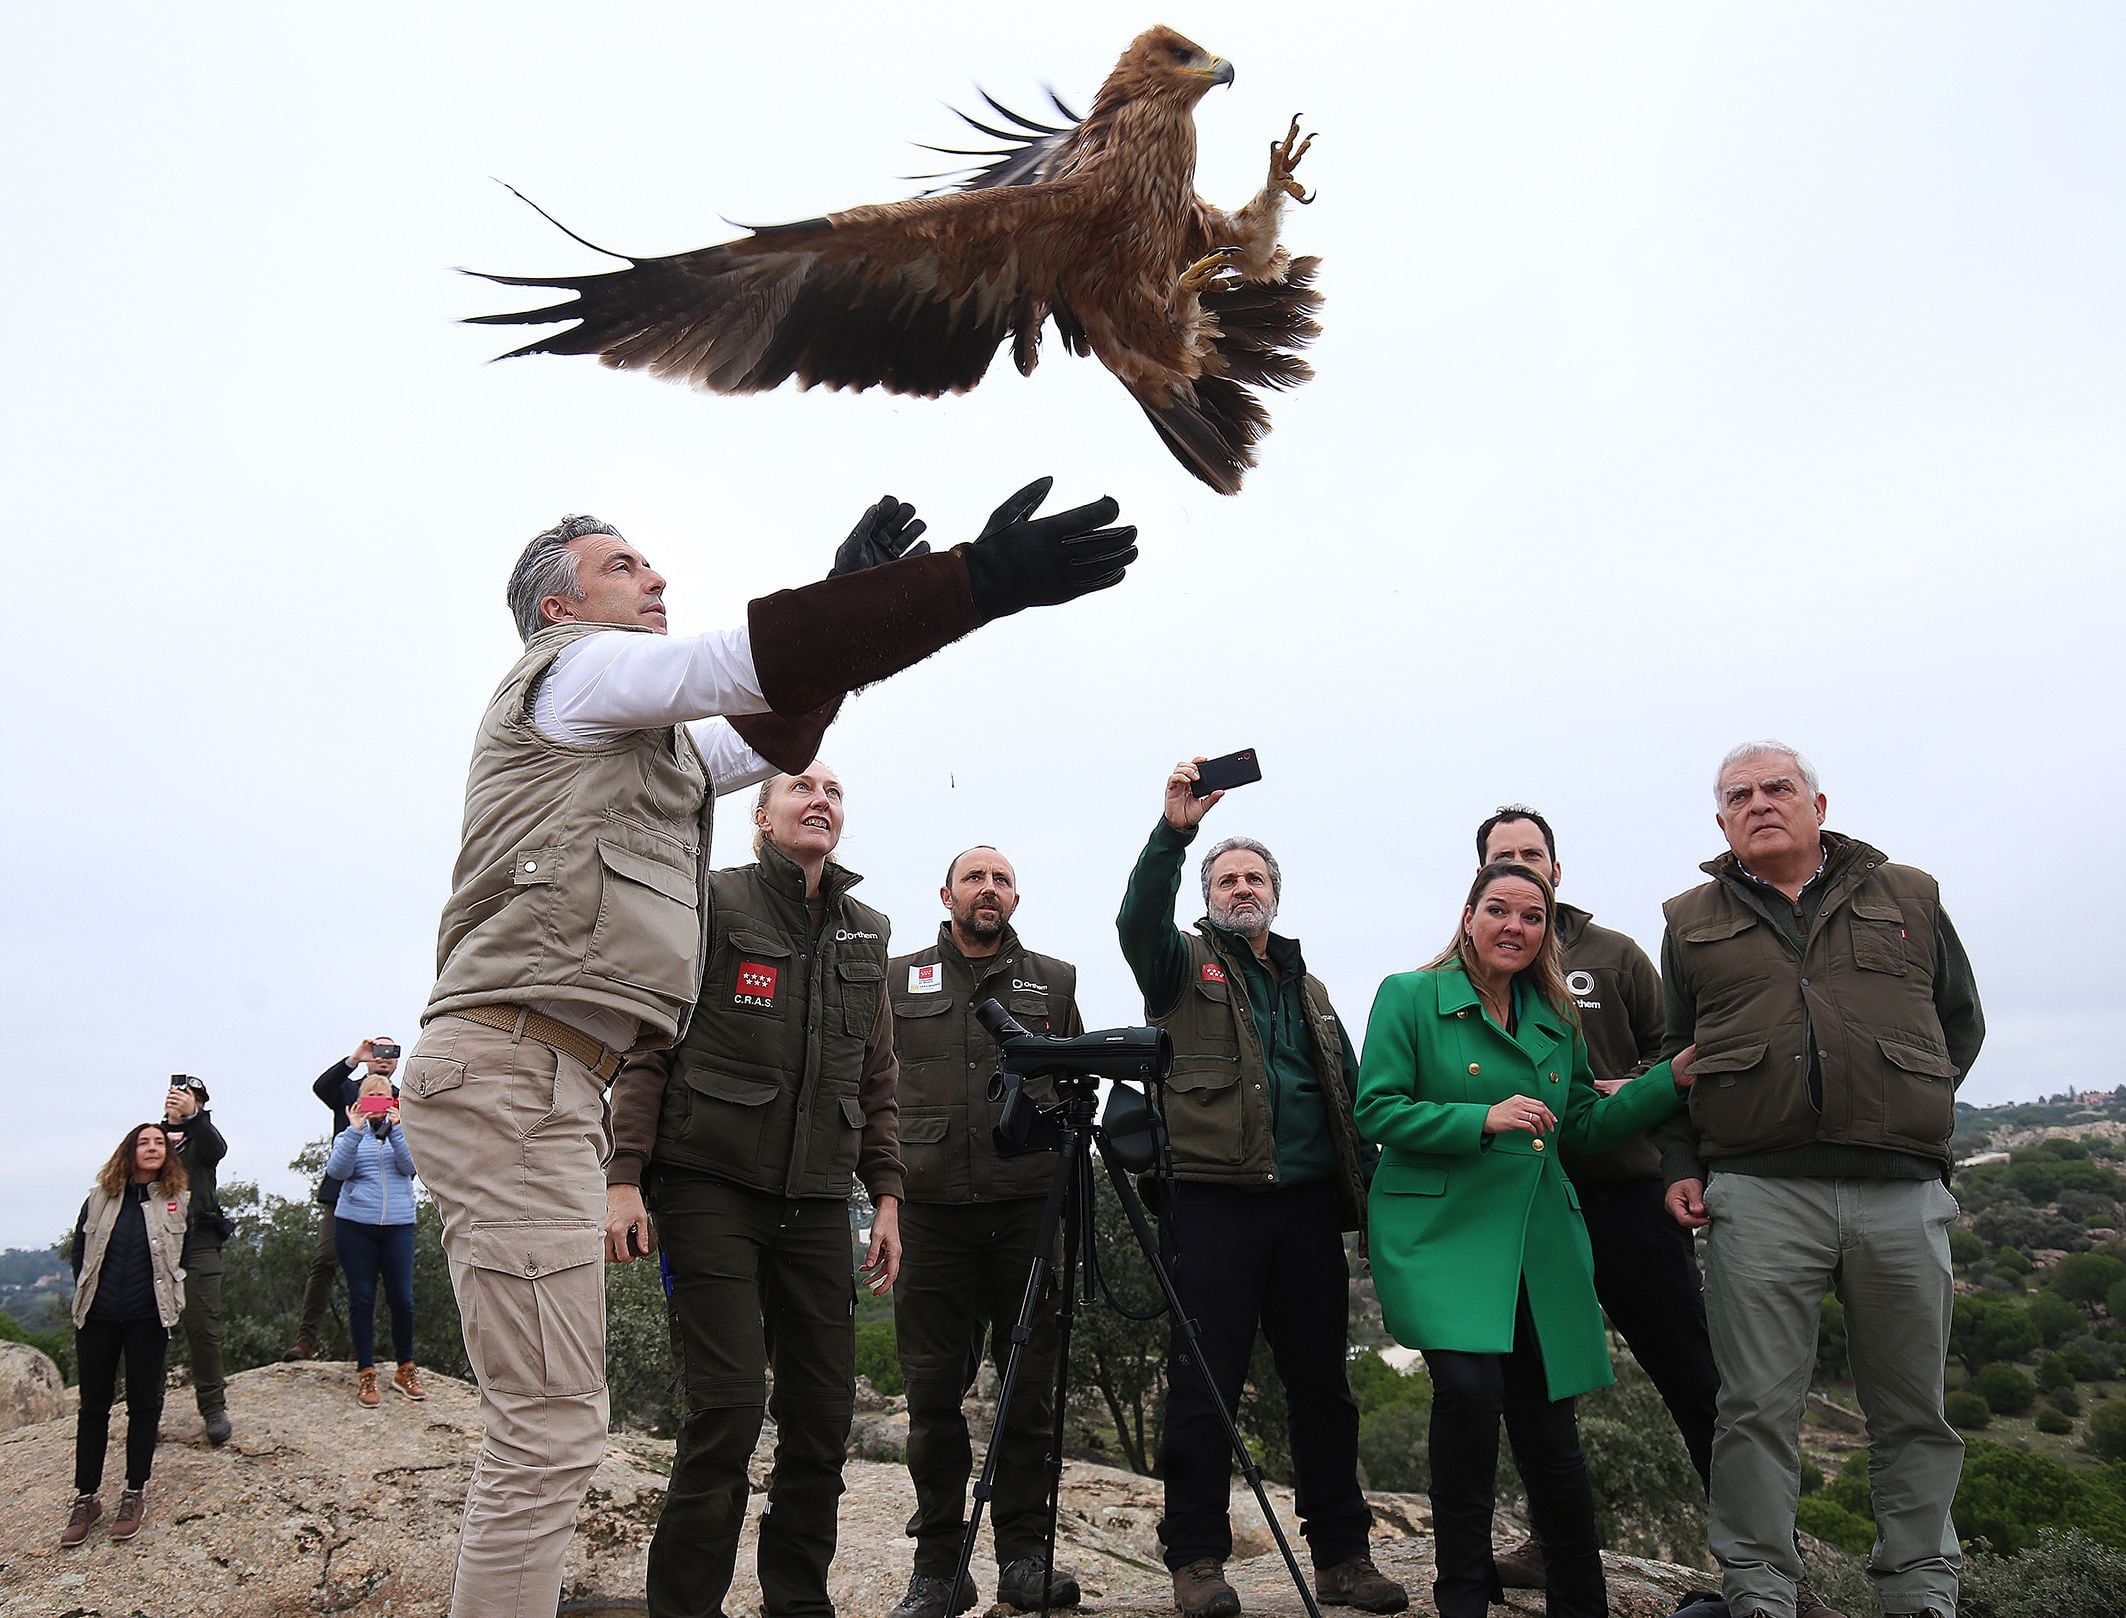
(2012, 1260)
(2065, 1400)
(1968, 1411)
(1391, 1449)
(2055, 1318)
(1835, 1525)
(1965, 1248)
(2080, 1362)
(2007, 1389)
(2054, 1420)
(1376, 1385)
(2052, 1373)
(2066, 1574)
(2007, 1495)
(2107, 1429)
(1811, 1475)
(877, 1358)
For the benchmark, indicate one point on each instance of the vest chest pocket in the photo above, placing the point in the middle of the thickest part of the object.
(1032, 1010)
(922, 1030)
(1212, 1017)
(753, 971)
(1203, 1115)
(1878, 932)
(728, 1115)
(860, 982)
(648, 931)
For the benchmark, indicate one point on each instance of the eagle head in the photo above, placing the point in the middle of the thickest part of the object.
(1160, 62)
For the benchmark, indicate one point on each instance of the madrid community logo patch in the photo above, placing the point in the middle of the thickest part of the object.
(756, 985)
(1213, 972)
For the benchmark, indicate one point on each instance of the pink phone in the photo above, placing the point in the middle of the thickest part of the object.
(375, 1106)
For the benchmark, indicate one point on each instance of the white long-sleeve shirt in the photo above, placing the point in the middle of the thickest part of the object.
(604, 686)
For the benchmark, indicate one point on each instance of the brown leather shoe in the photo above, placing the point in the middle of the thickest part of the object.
(1524, 1567)
(1200, 1590)
(365, 1388)
(87, 1512)
(132, 1507)
(408, 1381)
(1808, 1604)
(303, 1348)
(1356, 1582)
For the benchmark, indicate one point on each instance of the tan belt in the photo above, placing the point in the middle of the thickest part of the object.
(603, 1061)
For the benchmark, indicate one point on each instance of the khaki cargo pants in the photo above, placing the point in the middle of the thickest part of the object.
(509, 1136)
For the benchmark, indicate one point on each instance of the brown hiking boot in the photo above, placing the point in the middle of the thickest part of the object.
(303, 1348)
(1200, 1590)
(132, 1507)
(365, 1388)
(1524, 1567)
(408, 1381)
(86, 1514)
(1808, 1604)
(1356, 1582)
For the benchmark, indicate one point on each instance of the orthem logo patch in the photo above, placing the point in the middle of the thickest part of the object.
(756, 985)
(1213, 972)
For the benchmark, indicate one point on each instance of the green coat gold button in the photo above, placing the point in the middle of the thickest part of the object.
(1539, 1143)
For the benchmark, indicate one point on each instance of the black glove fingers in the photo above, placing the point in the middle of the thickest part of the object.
(1019, 506)
(1064, 524)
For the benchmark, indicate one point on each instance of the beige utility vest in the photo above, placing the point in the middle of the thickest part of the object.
(164, 1213)
(1860, 993)
(582, 871)
(1218, 1101)
(765, 1090)
(948, 1122)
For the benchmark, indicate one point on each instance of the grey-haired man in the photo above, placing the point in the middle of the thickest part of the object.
(576, 927)
(1259, 1113)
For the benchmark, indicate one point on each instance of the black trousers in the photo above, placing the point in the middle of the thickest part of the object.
(1646, 1275)
(757, 1280)
(1470, 1392)
(98, 1347)
(1272, 1260)
(963, 1278)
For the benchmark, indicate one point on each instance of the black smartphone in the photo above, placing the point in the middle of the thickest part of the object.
(385, 1050)
(1227, 770)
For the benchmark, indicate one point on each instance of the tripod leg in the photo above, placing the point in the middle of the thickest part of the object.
(1140, 1226)
(1062, 1188)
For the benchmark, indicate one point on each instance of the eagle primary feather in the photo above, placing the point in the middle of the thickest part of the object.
(1094, 225)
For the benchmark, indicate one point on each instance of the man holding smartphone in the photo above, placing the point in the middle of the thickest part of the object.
(1272, 1174)
(200, 1148)
(336, 1088)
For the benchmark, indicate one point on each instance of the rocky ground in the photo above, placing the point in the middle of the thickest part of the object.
(318, 1506)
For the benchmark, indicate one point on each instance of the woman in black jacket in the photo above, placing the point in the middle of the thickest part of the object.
(129, 1288)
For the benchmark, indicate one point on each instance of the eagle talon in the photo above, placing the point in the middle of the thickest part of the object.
(1207, 269)
(1284, 160)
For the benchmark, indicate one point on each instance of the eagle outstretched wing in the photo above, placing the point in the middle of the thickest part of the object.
(1030, 154)
(915, 297)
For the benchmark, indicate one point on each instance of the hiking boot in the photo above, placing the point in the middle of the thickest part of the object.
(303, 1348)
(1524, 1567)
(932, 1598)
(1200, 1590)
(132, 1507)
(1022, 1583)
(408, 1381)
(87, 1512)
(365, 1388)
(1808, 1604)
(218, 1428)
(1356, 1582)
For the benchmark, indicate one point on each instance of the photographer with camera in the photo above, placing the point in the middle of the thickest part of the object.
(200, 1148)
(336, 1088)
(1272, 1173)
(970, 1222)
(374, 1227)
(751, 1130)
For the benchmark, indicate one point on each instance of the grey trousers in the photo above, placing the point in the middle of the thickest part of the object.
(1775, 1246)
(509, 1136)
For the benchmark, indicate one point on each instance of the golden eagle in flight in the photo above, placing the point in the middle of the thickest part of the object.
(1094, 224)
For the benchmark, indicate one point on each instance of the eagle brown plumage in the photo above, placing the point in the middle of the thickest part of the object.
(1094, 225)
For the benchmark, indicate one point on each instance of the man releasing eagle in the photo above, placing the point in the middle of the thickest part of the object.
(1094, 225)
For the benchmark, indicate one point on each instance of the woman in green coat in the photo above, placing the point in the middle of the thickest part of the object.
(1474, 1070)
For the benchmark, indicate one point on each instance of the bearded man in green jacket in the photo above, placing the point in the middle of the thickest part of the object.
(1834, 1013)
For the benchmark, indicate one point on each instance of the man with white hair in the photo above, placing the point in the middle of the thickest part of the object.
(1834, 1013)
(1259, 1113)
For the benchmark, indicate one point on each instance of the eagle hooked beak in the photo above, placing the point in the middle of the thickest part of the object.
(1219, 72)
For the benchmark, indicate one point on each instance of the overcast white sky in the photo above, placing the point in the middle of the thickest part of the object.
(1690, 373)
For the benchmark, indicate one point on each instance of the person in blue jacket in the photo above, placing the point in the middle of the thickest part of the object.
(373, 1226)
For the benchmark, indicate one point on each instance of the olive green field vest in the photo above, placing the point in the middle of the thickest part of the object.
(764, 1088)
(948, 1146)
(581, 873)
(1860, 994)
(1217, 1101)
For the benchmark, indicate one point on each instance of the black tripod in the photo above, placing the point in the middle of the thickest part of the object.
(1069, 1207)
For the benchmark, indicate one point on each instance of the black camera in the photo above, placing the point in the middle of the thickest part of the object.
(1076, 1063)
